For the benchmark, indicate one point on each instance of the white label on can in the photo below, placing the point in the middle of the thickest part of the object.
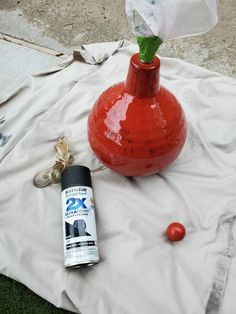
(79, 226)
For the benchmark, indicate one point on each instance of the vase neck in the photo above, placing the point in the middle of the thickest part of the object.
(143, 78)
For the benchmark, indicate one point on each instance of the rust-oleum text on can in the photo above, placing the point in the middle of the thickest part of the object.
(78, 217)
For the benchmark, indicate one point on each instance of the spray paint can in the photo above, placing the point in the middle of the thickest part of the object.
(78, 217)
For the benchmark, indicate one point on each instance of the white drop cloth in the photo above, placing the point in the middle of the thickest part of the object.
(140, 271)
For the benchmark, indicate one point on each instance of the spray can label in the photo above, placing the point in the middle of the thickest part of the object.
(79, 226)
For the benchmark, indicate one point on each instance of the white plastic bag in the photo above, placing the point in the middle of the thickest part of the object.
(170, 19)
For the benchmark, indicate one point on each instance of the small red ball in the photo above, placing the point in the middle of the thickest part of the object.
(175, 231)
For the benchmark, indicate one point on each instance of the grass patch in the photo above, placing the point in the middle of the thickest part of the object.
(18, 299)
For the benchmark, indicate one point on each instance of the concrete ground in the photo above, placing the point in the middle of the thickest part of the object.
(17, 62)
(64, 24)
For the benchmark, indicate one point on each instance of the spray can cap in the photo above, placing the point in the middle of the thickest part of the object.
(75, 176)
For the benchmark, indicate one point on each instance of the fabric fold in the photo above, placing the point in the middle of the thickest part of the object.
(140, 271)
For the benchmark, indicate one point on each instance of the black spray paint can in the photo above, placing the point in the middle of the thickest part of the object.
(78, 217)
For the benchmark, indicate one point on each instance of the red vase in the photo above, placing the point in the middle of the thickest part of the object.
(137, 127)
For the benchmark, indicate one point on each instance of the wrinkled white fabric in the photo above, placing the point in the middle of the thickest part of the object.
(140, 271)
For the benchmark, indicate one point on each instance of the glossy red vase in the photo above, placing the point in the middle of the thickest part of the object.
(137, 127)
